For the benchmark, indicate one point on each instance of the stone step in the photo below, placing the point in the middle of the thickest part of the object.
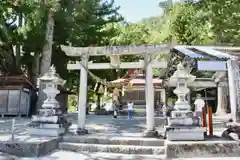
(5, 156)
(219, 124)
(61, 154)
(115, 140)
(124, 149)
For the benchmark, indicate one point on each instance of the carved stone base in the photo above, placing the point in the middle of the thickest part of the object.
(185, 133)
(48, 132)
(53, 104)
(150, 133)
(50, 126)
(81, 131)
(183, 113)
(183, 105)
(184, 121)
(45, 119)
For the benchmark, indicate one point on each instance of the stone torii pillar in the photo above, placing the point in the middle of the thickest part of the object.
(232, 88)
(149, 91)
(221, 99)
(82, 99)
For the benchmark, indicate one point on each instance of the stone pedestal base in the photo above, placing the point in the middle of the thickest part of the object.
(178, 113)
(184, 128)
(150, 133)
(182, 105)
(50, 126)
(48, 132)
(81, 131)
(185, 133)
(183, 121)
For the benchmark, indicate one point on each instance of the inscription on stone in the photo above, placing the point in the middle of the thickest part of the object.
(11, 147)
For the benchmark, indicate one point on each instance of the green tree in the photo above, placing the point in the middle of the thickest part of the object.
(189, 26)
(225, 20)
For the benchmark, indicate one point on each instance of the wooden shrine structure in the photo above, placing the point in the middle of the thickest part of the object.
(136, 91)
(17, 96)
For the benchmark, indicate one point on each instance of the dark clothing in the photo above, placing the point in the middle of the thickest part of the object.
(115, 110)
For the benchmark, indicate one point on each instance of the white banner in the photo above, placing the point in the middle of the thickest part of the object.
(212, 65)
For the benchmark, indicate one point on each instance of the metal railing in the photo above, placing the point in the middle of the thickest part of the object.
(16, 127)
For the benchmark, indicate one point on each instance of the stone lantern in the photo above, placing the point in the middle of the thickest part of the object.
(183, 125)
(50, 121)
(181, 78)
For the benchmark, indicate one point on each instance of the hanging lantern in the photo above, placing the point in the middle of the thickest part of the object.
(117, 85)
(96, 86)
(101, 89)
(123, 91)
(115, 94)
(115, 60)
(129, 86)
(105, 91)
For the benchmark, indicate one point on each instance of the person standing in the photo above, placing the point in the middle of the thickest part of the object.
(130, 109)
(199, 104)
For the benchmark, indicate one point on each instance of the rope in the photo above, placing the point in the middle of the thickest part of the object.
(110, 84)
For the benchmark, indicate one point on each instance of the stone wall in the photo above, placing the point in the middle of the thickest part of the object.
(202, 149)
(29, 149)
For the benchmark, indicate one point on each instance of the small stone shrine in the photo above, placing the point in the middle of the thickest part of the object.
(50, 120)
(183, 125)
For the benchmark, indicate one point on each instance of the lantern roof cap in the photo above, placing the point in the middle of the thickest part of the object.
(52, 76)
(182, 73)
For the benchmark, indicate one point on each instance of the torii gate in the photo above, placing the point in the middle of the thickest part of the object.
(114, 52)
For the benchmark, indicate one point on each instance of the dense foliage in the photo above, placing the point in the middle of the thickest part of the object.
(200, 22)
(25, 32)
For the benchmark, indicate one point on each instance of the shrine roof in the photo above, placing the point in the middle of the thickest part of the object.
(207, 52)
(189, 55)
(187, 52)
(15, 81)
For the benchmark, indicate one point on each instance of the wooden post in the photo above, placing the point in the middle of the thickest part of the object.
(210, 124)
(204, 118)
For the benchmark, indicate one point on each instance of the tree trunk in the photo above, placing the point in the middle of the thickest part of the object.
(18, 45)
(35, 69)
(47, 48)
(46, 55)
